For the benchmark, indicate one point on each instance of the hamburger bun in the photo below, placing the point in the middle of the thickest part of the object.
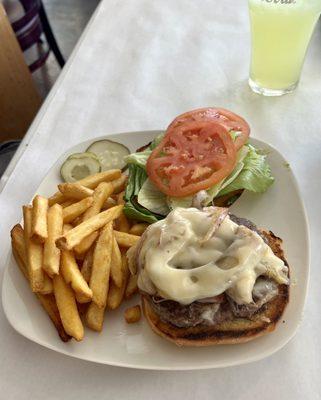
(237, 330)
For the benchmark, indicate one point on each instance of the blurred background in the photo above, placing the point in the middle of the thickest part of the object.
(36, 39)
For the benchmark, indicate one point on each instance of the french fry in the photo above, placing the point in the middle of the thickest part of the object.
(72, 275)
(58, 197)
(67, 307)
(119, 184)
(116, 271)
(47, 301)
(34, 252)
(131, 287)
(75, 190)
(66, 228)
(101, 193)
(18, 243)
(116, 294)
(87, 264)
(47, 245)
(138, 229)
(77, 234)
(82, 308)
(95, 317)
(99, 280)
(51, 254)
(126, 239)
(93, 181)
(83, 247)
(120, 198)
(77, 220)
(133, 314)
(47, 285)
(110, 202)
(122, 223)
(39, 231)
(131, 258)
(74, 210)
(66, 203)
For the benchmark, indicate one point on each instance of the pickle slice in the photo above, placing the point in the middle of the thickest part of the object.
(78, 166)
(110, 154)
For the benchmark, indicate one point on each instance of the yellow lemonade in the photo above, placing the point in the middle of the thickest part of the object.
(281, 31)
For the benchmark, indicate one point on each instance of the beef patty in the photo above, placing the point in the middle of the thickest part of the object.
(220, 308)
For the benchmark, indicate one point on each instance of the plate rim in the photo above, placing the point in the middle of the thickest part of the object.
(259, 356)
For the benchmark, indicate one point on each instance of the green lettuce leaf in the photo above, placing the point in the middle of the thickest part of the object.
(255, 175)
(136, 178)
(140, 158)
(156, 141)
(185, 202)
(145, 202)
(215, 190)
(152, 198)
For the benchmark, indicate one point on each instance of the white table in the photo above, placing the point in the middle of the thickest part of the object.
(138, 64)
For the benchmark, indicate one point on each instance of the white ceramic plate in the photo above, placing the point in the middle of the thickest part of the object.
(135, 346)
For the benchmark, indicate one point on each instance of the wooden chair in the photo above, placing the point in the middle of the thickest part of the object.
(19, 99)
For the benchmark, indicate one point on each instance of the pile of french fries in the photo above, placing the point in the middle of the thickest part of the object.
(72, 250)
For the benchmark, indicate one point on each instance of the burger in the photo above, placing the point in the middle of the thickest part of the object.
(203, 158)
(207, 277)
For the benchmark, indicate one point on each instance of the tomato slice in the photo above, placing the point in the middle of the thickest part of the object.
(229, 119)
(191, 157)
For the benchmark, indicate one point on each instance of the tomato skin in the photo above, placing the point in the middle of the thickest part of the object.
(229, 119)
(192, 157)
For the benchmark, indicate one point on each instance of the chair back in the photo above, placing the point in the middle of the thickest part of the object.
(29, 29)
(31, 8)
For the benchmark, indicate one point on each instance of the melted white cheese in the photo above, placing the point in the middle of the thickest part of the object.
(178, 264)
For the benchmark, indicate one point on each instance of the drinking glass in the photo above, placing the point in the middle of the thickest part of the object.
(281, 31)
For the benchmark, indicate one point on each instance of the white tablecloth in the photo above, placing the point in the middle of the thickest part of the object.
(138, 64)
